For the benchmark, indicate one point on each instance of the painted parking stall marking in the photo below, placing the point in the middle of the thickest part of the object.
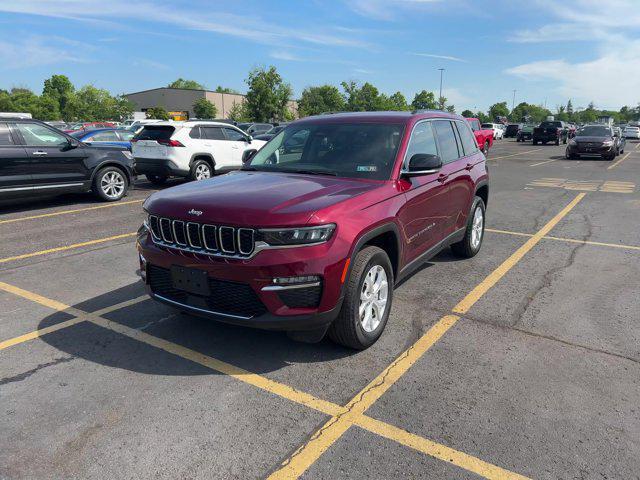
(585, 185)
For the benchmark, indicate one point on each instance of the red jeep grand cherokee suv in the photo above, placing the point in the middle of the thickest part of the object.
(314, 232)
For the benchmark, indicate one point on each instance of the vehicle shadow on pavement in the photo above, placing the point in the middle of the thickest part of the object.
(257, 351)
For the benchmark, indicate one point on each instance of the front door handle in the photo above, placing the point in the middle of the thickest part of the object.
(442, 177)
(39, 153)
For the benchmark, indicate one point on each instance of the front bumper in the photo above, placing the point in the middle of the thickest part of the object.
(158, 166)
(594, 150)
(265, 308)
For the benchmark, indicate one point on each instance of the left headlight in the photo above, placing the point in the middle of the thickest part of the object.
(296, 236)
(572, 142)
(128, 154)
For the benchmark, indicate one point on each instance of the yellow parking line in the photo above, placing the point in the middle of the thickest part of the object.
(331, 431)
(76, 210)
(542, 163)
(570, 240)
(378, 427)
(516, 154)
(66, 247)
(436, 450)
(613, 165)
(467, 302)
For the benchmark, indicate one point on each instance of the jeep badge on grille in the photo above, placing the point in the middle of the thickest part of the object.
(195, 212)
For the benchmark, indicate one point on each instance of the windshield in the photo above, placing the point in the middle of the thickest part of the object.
(551, 124)
(487, 125)
(594, 131)
(357, 150)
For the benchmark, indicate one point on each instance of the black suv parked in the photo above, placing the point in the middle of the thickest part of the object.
(36, 158)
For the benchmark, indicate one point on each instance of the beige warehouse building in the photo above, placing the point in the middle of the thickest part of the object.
(179, 101)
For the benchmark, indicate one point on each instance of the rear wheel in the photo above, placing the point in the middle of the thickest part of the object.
(367, 302)
(110, 184)
(569, 156)
(485, 149)
(470, 244)
(200, 170)
(156, 179)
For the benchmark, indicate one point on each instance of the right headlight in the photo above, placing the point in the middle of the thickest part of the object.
(572, 142)
(297, 235)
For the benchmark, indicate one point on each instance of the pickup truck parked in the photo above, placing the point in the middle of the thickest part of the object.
(551, 131)
(484, 136)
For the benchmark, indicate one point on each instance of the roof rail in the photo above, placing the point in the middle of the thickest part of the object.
(427, 110)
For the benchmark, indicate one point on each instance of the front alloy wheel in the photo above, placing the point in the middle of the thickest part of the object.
(373, 298)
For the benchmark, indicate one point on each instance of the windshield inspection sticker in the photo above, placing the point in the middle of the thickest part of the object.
(367, 168)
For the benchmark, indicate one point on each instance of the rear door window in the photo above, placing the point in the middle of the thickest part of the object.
(468, 140)
(446, 140)
(212, 133)
(5, 135)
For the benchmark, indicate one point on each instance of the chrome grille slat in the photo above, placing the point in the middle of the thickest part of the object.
(212, 240)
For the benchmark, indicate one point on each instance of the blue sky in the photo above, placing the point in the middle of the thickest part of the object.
(587, 50)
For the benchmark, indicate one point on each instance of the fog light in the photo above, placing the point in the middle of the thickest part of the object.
(296, 280)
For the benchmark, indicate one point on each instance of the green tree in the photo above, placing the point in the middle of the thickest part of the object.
(483, 117)
(60, 89)
(316, 100)
(451, 109)
(221, 89)
(203, 108)
(424, 101)
(569, 108)
(396, 102)
(363, 99)
(238, 113)
(47, 108)
(187, 84)
(5, 101)
(268, 96)
(158, 112)
(530, 113)
(498, 110)
(467, 114)
(94, 104)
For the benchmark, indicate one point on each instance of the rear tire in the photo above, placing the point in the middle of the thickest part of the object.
(485, 149)
(156, 179)
(110, 184)
(200, 170)
(470, 244)
(371, 269)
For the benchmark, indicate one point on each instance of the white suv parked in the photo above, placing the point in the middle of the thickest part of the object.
(192, 149)
(498, 132)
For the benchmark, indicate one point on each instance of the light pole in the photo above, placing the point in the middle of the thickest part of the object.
(440, 97)
(513, 103)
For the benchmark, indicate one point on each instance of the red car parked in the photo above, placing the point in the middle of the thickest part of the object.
(484, 136)
(90, 126)
(320, 224)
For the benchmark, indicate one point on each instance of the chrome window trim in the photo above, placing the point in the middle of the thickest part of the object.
(175, 237)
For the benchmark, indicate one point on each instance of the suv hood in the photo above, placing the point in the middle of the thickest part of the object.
(258, 199)
(591, 139)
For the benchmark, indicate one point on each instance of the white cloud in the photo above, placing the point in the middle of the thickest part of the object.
(611, 80)
(285, 55)
(146, 63)
(37, 51)
(113, 12)
(441, 57)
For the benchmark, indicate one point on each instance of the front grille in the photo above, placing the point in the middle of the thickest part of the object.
(227, 298)
(216, 240)
(308, 297)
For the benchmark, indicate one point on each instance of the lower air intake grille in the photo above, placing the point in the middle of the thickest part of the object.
(232, 298)
(301, 297)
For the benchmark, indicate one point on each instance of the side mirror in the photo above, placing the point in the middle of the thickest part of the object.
(423, 164)
(247, 155)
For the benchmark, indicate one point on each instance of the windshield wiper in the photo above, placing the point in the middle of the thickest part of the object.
(312, 172)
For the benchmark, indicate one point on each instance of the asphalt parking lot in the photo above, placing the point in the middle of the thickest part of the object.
(522, 362)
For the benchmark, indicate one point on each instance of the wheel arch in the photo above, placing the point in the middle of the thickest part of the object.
(482, 191)
(202, 156)
(112, 163)
(386, 237)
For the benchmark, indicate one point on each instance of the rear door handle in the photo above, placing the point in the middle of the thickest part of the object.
(469, 166)
(442, 177)
(39, 153)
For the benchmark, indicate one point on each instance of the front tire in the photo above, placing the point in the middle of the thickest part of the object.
(110, 184)
(367, 303)
(470, 244)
